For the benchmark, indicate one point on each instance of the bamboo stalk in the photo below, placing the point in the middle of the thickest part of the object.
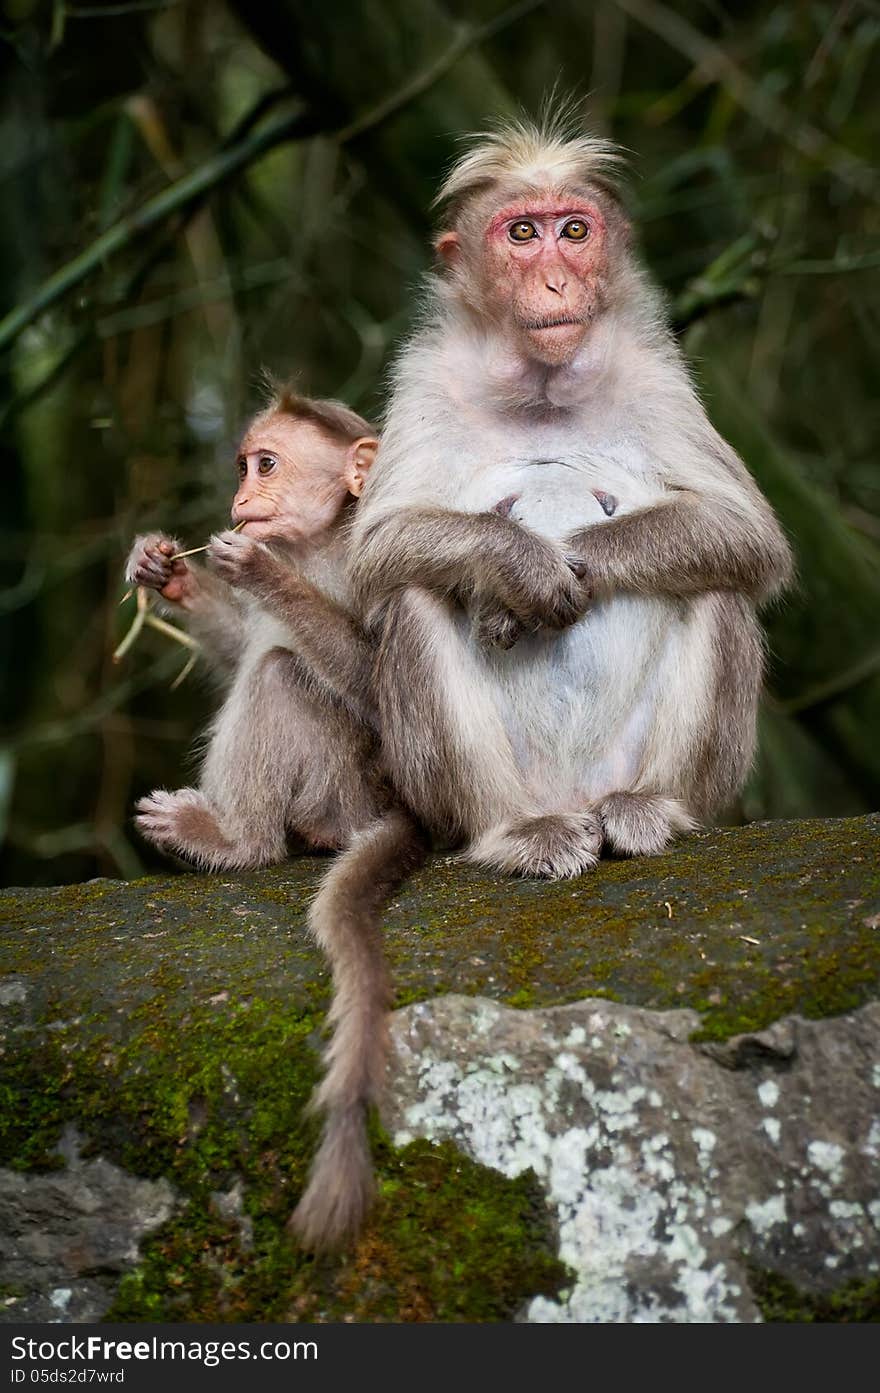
(192, 186)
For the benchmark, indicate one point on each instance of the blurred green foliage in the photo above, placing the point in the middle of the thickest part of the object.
(195, 190)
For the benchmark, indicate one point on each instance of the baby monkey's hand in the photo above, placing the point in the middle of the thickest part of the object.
(150, 564)
(242, 562)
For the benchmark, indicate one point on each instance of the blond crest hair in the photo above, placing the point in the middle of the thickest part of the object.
(525, 152)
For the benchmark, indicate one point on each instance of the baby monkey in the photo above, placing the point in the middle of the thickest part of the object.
(293, 748)
(291, 751)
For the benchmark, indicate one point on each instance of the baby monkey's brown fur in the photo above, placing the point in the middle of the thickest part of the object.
(293, 747)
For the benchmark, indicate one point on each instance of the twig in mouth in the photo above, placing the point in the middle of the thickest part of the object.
(178, 556)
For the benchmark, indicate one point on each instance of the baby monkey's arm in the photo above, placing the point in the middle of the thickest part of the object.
(325, 636)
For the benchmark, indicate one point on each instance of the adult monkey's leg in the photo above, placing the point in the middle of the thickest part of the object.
(449, 754)
(703, 734)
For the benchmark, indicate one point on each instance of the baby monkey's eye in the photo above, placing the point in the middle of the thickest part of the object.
(266, 464)
(522, 231)
(575, 230)
(242, 468)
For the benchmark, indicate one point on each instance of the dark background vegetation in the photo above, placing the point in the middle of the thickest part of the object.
(195, 190)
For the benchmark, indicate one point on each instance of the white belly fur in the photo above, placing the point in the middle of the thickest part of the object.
(608, 704)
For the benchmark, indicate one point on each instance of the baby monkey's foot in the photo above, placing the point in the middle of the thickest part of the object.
(641, 824)
(185, 824)
(557, 846)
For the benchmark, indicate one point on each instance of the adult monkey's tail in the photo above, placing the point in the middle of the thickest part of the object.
(346, 920)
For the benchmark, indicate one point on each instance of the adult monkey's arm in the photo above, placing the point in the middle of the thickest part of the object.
(482, 559)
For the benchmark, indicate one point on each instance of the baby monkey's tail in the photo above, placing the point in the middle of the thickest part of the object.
(346, 919)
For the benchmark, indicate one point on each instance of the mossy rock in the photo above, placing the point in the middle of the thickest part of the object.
(175, 1023)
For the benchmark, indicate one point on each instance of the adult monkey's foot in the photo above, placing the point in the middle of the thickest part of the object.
(641, 824)
(557, 846)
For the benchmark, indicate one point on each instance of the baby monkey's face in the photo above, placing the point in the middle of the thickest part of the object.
(294, 478)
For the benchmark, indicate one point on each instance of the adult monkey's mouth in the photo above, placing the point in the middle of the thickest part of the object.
(557, 321)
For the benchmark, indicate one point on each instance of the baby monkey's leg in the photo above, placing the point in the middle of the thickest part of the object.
(272, 740)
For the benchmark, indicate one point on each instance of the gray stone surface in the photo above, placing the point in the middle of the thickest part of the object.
(670, 1165)
(132, 1009)
(66, 1236)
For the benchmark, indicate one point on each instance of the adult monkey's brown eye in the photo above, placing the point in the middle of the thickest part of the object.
(267, 464)
(575, 230)
(522, 231)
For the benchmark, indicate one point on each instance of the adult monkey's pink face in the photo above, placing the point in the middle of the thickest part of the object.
(538, 265)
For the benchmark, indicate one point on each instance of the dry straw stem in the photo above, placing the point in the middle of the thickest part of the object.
(184, 672)
(171, 631)
(145, 616)
(178, 556)
(136, 625)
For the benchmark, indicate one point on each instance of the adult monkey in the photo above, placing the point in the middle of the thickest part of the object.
(566, 554)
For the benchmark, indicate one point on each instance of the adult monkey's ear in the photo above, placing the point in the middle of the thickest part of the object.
(358, 461)
(448, 247)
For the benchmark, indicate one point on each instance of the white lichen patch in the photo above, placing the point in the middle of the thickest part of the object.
(646, 1149)
(872, 1141)
(845, 1209)
(655, 1163)
(706, 1142)
(719, 1227)
(485, 1017)
(763, 1216)
(827, 1156)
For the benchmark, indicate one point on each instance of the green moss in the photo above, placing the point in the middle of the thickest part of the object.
(490, 1250)
(779, 1300)
(208, 1089)
(176, 1023)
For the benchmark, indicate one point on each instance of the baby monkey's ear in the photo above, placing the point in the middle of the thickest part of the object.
(358, 458)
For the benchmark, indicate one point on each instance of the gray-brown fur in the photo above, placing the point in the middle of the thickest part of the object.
(687, 546)
(293, 751)
(345, 918)
(585, 652)
(419, 747)
(722, 760)
(641, 824)
(326, 636)
(483, 558)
